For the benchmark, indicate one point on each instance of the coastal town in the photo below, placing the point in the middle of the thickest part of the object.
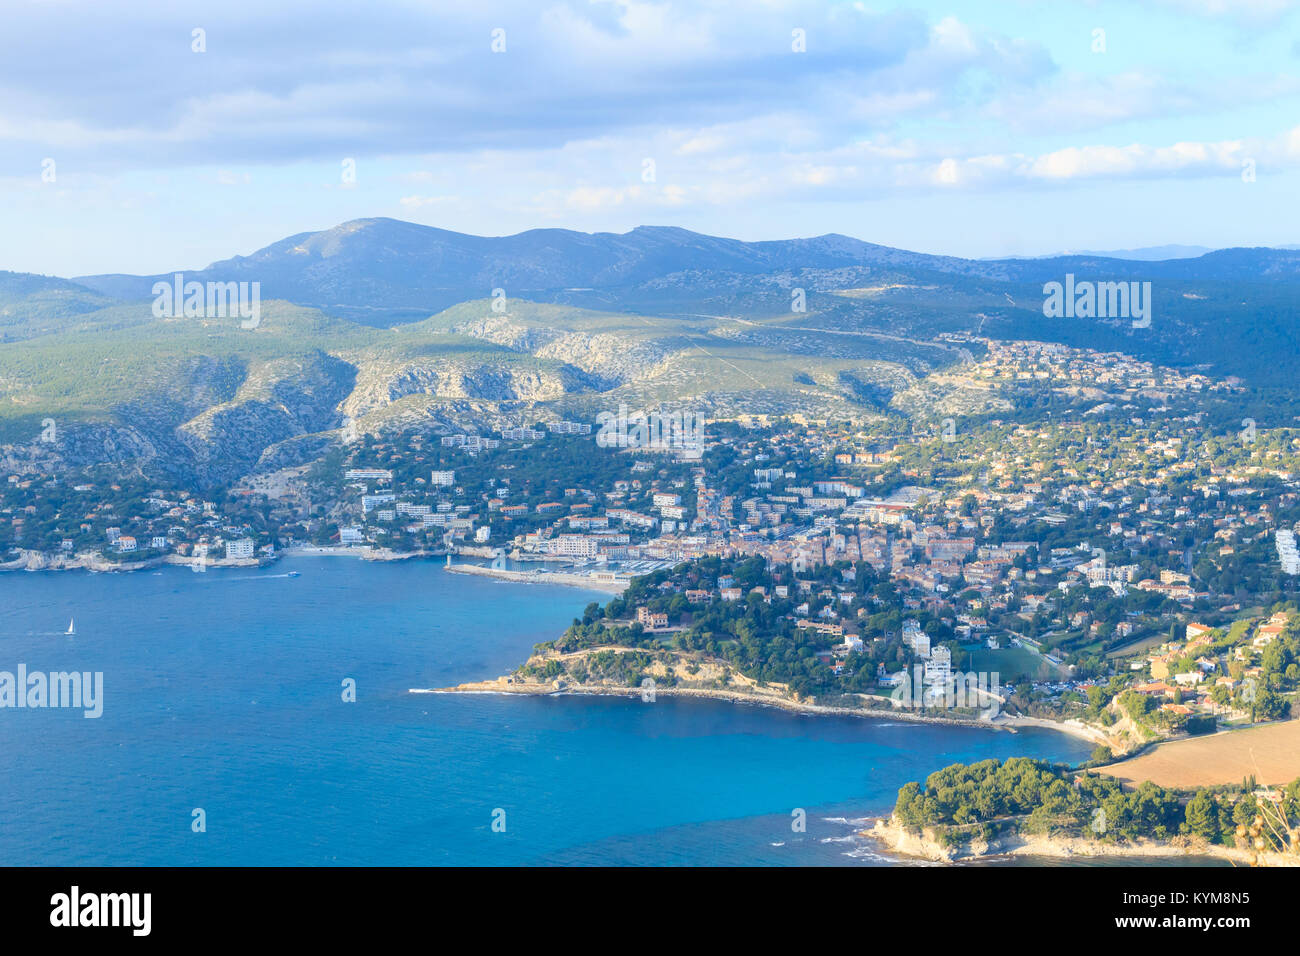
(1087, 545)
(1095, 510)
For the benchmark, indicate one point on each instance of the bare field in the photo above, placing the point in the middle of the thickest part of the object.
(1270, 753)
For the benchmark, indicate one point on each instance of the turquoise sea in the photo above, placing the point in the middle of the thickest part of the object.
(223, 692)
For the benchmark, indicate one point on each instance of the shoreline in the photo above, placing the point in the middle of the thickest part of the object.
(40, 561)
(95, 565)
(924, 844)
(501, 686)
(568, 579)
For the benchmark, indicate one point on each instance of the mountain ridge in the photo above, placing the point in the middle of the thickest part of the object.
(380, 270)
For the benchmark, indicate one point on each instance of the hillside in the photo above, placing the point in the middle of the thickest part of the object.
(1224, 309)
(378, 322)
(207, 399)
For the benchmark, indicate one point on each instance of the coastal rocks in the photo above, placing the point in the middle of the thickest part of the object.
(930, 844)
(921, 843)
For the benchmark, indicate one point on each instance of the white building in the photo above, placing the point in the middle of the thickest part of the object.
(916, 639)
(569, 428)
(522, 434)
(370, 502)
(1286, 552)
(239, 548)
(938, 669)
(574, 545)
(442, 479)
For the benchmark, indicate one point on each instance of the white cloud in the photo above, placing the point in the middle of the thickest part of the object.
(418, 202)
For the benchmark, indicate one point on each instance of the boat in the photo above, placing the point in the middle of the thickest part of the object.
(294, 574)
(72, 627)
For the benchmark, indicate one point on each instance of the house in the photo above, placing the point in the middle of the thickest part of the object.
(125, 543)
(1266, 634)
(823, 628)
(651, 619)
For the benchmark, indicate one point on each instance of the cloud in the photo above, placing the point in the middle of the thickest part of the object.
(1259, 11)
(419, 202)
(301, 81)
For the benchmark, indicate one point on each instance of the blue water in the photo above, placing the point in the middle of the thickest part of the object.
(222, 691)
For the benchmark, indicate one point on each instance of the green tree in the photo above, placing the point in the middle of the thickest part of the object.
(1203, 816)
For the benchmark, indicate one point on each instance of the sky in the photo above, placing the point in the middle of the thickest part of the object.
(146, 136)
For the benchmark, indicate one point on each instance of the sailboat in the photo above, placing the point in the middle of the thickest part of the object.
(72, 627)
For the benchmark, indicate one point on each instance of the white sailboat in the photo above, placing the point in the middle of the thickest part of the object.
(72, 627)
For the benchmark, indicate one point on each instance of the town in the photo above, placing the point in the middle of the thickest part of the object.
(1086, 529)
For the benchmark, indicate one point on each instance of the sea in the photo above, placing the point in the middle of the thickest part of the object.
(264, 717)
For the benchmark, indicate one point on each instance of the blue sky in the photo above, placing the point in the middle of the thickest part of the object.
(968, 128)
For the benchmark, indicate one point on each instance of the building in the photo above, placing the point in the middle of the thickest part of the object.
(470, 442)
(442, 479)
(239, 548)
(368, 474)
(651, 619)
(916, 639)
(938, 669)
(569, 428)
(370, 502)
(574, 545)
(634, 518)
(1286, 552)
(522, 434)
